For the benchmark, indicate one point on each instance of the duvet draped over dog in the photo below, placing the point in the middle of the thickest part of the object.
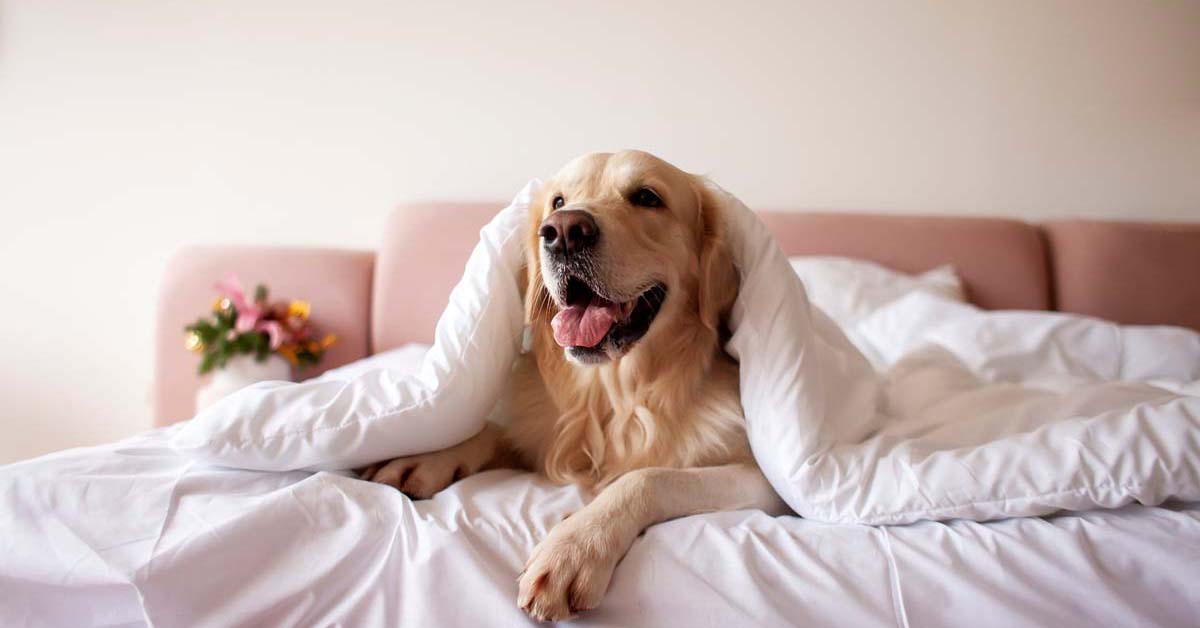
(926, 409)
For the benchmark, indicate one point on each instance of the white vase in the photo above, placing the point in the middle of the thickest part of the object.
(239, 372)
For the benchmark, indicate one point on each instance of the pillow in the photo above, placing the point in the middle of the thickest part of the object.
(850, 289)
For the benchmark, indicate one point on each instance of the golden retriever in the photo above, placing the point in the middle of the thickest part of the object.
(626, 390)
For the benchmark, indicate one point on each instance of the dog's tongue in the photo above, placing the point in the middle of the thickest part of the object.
(583, 325)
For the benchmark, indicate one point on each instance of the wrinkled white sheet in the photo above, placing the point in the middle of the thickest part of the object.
(134, 534)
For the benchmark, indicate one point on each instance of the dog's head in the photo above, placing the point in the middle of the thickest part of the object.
(625, 248)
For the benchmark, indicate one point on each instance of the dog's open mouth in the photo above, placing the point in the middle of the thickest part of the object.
(590, 326)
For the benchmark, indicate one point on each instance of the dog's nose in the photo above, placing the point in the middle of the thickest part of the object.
(568, 231)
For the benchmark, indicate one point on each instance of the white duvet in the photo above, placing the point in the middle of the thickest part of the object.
(136, 533)
(992, 414)
(133, 534)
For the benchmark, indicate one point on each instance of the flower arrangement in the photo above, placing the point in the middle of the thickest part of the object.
(240, 326)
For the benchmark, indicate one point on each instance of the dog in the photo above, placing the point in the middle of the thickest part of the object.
(626, 390)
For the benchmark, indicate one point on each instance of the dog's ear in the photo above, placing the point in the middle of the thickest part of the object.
(537, 298)
(718, 278)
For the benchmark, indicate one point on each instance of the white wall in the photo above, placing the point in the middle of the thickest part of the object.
(128, 128)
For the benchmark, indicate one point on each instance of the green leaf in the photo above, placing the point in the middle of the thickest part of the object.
(207, 363)
(207, 333)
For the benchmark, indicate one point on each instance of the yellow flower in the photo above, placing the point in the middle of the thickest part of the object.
(299, 309)
(328, 341)
(288, 352)
(193, 342)
(221, 304)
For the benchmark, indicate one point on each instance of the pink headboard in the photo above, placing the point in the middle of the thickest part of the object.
(1129, 272)
(422, 256)
(1002, 262)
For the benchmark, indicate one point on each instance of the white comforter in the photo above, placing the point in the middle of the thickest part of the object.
(134, 534)
(993, 414)
(137, 533)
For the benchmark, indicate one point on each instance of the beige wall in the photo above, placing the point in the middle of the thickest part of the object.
(130, 127)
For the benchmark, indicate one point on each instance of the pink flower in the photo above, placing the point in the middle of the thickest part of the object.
(274, 331)
(247, 319)
(252, 316)
(232, 288)
(248, 313)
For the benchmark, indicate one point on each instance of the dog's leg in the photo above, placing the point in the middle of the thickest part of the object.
(570, 569)
(420, 476)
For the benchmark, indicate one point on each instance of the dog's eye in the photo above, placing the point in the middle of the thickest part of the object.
(559, 202)
(646, 197)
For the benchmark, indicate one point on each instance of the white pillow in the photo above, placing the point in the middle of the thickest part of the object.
(850, 289)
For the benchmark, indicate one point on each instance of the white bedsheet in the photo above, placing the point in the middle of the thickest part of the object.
(134, 534)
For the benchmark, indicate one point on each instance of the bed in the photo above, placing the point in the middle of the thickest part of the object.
(132, 533)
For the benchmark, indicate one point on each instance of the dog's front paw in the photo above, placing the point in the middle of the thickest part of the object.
(419, 476)
(570, 569)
